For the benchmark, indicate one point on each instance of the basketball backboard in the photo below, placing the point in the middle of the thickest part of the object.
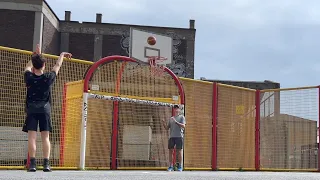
(140, 50)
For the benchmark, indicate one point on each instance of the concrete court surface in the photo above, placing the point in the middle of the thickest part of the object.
(156, 175)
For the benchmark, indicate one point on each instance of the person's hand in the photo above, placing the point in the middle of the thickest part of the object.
(38, 51)
(173, 119)
(66, 55)
(163, 120)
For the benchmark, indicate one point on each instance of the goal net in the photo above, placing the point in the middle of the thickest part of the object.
(113, 117)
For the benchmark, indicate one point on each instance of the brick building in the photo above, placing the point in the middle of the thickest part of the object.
(25, 23)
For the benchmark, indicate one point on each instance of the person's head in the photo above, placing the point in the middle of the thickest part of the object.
(176, 109)
(38, 62)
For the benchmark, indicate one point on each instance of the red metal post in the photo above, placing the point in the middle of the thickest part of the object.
(115, 121)
(214, 126)
(114, 135)
(257, 132)
(319, 128)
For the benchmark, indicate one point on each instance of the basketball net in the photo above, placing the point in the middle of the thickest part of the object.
(155, 68)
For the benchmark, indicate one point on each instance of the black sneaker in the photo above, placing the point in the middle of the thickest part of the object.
(46, 165)
(32, 165)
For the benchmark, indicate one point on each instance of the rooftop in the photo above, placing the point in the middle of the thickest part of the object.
(266, 84)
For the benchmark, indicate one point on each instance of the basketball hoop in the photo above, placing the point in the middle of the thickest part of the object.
(155, 68)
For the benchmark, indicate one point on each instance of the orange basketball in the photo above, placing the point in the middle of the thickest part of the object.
(152, 40)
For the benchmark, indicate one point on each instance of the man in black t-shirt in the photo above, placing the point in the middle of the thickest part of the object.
(38, 105)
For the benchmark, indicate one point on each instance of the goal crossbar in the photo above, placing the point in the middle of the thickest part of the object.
(129, 100)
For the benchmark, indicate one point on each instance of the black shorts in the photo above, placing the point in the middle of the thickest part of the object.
(32, 121)
(175, 141)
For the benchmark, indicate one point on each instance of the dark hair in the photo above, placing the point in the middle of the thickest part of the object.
(176, 107)
(37, 61)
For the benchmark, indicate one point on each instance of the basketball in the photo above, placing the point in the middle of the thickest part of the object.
(152, 40)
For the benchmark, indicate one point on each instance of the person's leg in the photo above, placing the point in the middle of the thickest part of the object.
(170, 147)
(32, 137)
(46, 150)
(179, 155)
(45, 128)
(25, 129)
(45, 144)
(32, 126)
(171, 157)
(179, 147)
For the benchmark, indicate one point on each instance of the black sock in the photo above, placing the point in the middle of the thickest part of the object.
(45, 161)
(32, 162)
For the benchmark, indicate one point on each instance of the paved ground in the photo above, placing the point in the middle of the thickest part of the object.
(157, 175)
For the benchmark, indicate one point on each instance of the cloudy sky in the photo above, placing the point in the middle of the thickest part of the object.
(252, 40)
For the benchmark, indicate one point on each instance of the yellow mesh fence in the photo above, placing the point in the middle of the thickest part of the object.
(235, 127)
(288, 129)
(13, 141)
(198, 135)
(71, 124)
(99, 131)
(288, 120)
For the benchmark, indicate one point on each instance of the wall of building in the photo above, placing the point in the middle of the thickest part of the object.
(82, 46)
(16, 28)
(28, 23)
(88, 40)
(50, 32)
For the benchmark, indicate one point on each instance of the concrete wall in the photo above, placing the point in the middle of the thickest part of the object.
(14, 146)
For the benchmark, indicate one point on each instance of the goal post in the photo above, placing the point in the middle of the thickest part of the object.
(122, 105)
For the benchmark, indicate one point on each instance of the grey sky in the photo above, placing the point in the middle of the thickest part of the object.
(235, 39)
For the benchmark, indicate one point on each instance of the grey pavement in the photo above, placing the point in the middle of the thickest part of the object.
(156, 175)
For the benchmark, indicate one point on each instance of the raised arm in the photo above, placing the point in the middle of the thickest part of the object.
(29, 64)
(165, 124)
(59, 62)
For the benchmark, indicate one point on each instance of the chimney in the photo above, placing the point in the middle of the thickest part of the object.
(67, 15)
(191, 24)
(98, 18)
